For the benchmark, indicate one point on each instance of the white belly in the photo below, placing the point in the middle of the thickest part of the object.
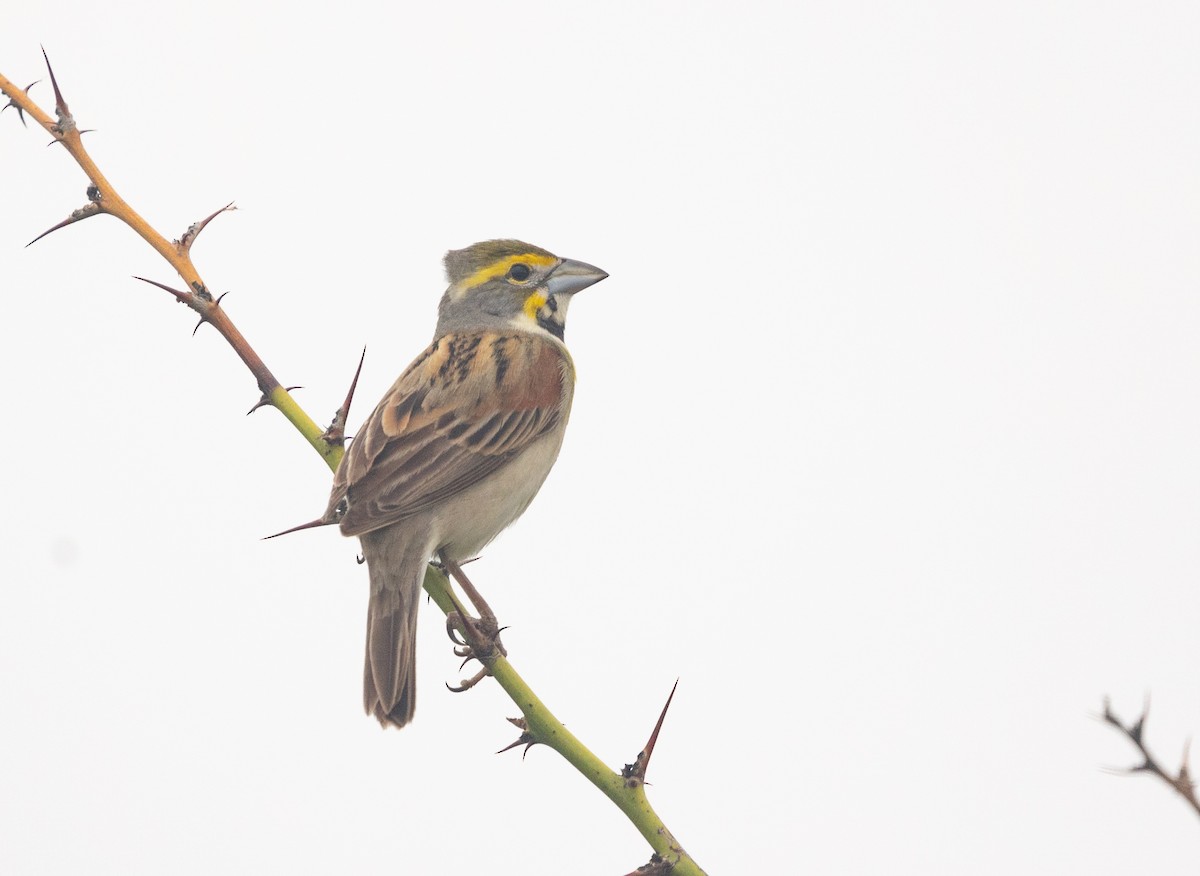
(477, 515)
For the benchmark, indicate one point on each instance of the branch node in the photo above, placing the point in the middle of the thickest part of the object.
(526, 738)
(1181, 782)
(189, 237)
(658, 866)
(20, 109)
(180, 296)
(263, 402)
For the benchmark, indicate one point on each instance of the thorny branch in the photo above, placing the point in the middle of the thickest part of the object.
(627, 791)
(1181, 782)
(103, 198)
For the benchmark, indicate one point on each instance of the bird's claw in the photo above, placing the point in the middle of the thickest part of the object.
(474, 639)
(468, 683)
(454, 629)
(477, 637)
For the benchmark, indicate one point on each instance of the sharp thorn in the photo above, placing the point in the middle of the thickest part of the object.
(197, 328)
(20, 112)
(261, 403)
(336, 433)
(189, 236)
(60, 105)
(1107, 714)
(360, 559)
(266, 400)
(181, 297)
(357, 371)
(84, 212)
(312, 524)
(217, 303)
(643, 758)
(20, 109)
(49, 230)
(524, 739)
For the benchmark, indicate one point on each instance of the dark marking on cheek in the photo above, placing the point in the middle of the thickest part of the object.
(548, 318)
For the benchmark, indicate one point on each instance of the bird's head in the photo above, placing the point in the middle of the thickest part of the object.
(510, 284)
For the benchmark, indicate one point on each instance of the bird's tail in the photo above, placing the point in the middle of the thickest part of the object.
(397, 569)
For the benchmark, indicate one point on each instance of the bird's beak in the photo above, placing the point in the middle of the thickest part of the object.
(572, 276)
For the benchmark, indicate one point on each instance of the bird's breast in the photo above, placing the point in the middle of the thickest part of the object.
(474, 517)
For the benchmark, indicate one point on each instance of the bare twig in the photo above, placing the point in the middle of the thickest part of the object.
(104, 198)
(1181, 782)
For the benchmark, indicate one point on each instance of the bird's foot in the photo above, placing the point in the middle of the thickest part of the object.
(475, 638)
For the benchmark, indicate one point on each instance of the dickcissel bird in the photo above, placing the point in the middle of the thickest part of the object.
(460, 444)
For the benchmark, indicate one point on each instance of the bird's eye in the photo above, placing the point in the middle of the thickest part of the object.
(519, 272)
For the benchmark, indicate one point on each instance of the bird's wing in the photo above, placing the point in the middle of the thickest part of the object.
(470, 403)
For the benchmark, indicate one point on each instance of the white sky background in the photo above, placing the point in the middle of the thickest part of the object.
(885, 441)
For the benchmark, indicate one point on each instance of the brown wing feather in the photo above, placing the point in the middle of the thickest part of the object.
(471, 402)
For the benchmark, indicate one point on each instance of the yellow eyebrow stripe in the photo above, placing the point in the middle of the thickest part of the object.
(500, 268)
